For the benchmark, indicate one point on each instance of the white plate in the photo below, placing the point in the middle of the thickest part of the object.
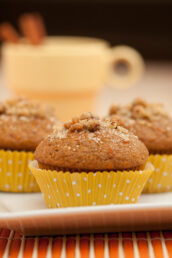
(27, 213)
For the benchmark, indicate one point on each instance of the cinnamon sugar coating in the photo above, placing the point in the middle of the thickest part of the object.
(149, 121)
(90, 144)
(23, 124)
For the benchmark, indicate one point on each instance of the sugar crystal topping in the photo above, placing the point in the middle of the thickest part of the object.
(139, 110)
(23, 108)
(95, 126)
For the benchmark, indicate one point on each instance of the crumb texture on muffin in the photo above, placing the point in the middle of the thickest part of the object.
(149, 121)
(87, 143)
(24, 123)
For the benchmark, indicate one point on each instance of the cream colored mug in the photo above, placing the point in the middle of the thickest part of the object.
(69, 71)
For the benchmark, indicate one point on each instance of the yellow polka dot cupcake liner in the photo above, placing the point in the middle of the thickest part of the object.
(14, 172)
(161, 179)
(65, 189)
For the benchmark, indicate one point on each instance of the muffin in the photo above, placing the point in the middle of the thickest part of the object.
(153, 125)
(23, 124)
(90, 162)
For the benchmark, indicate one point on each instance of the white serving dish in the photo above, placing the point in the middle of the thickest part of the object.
(28, 214)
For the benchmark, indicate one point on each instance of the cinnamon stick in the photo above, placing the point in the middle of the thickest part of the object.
(8, 33)
(32, 28)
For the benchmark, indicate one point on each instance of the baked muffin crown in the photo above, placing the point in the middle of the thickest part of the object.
(149, 121)
(24, 123)
(88, 143)
(21, 107)
(90, 124)
(140, 110)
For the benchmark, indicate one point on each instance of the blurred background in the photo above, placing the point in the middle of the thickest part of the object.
(144, 25)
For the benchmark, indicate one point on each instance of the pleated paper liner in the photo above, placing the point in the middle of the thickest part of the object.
(65, 189)
(14, 172)
(161, 179)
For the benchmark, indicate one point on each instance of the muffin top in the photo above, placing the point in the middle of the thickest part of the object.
(24, 123)
(149, 121)
(87, 143)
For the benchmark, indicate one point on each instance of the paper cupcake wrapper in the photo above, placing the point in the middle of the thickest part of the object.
(65, 189)
(161, 179)
(15, 175)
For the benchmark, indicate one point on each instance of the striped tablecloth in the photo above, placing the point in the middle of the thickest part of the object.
(116, 245)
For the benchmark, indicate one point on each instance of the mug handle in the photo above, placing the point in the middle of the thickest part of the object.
(126, 66)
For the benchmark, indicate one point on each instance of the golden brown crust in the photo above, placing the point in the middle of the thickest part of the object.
(149, 122)
(48, 167)
(157, 135)
(90, 144)
(23, 124)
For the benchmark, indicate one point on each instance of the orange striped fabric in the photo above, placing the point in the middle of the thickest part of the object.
(168, 242)
(113, 245)
(142, 245)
